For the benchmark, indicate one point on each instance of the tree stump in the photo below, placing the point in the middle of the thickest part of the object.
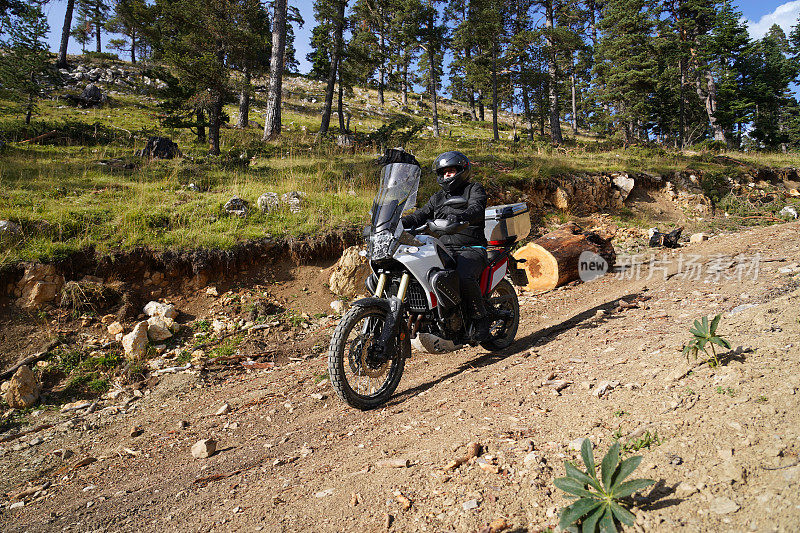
(552, 260)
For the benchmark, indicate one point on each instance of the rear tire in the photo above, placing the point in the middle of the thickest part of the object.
(356, 382)
(502, 330)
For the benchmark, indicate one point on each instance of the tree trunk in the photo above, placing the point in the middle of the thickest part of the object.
(495, 129)
(97, 28)
(526, 102)
(244, 102)
(62, 50)
(201, 129)
(481, 110)
(133, 47)
(470, 88)
(555, 258)
(405, 85)
(337, 48)
(432, 74)
(339, 110)
(381, 68)
(552, 74)
(682, 106)
(272, 122)
(709, 97)
(215, 123)
(574, 106)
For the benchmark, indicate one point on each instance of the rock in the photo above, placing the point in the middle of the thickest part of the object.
(624, 183)
(160, 309)
(158, 328)
(294, 200)
(788, 212)
(212, 291)
(604, 387)
(531, 458)
(268, 202)
(392, 463)
(92, 95)
(16, 505)
(204, 448)
(324, 493)
(349, 273)
(722, 505)
(135, 342)
(182, 424)
(740, 308)
(684, 490)
(698, 237)
(9, 230)
(198, 355)
(338, 307)
(345, 141)
(576, 444)
(223, 410)
(22, 390)
(469, 505)
(39, 285)
(115, 327)
(221, 328)
(236, 206)
(160, 148)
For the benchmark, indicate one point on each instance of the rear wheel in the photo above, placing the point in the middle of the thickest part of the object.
(504, 305)
(357, 373)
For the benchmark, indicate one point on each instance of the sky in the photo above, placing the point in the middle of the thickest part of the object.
(759, 15)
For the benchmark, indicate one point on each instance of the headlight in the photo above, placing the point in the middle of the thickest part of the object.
(382, 245)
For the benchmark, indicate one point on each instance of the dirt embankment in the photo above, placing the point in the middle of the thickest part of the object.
(722, 443)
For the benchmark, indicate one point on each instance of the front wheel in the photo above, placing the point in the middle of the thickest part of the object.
(504, 304)
(359, 377)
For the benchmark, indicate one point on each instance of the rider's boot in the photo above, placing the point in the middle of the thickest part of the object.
(480, 321)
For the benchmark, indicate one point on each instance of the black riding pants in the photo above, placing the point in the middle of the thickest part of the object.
(470, 262)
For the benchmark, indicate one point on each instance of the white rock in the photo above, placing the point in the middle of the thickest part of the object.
(158, 328)
(268, 202)
(604, 387)
(224, 409)
(135, 342)
(698, 237)
(220, 327)
(338, 307)
(349, 273)
(16, 505)
(788, 211)
(469, 505)
(576, 444)
(324, 493)
(161, 309)
(115, 327)
(624, 183)
(204, 448)
(212, 291)
(722, 505)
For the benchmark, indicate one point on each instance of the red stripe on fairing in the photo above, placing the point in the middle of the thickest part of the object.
(434, 303)
(488, 274)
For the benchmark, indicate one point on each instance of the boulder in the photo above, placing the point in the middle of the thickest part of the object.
(158, 328)
(39, 285)
(135, 342)
(9, 230)
(154, 308)
(115, 327)
(698, 237)
(204, 448)
(623, 183)
(268, 202)
(160, 148)
(349, 273)
(22, 390)
(236, 206)
(294, 200)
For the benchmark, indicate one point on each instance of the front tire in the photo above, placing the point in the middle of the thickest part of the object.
(358, 380)
(502, 330)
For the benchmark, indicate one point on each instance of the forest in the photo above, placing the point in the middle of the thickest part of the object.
(680, 73)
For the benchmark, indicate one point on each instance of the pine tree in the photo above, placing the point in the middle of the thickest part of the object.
(335, 12)
(626, 62)
(272, 122)
(65, 33)
(25, 60)
(431, 36)
(124, 22)
(95, 12)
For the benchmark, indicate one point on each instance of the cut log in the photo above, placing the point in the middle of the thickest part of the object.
(552, 260)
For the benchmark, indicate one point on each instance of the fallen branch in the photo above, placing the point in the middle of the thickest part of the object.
(15, 436)
(41, 137)
(30, 359)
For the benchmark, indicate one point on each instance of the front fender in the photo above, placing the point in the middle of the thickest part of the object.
(371, 301)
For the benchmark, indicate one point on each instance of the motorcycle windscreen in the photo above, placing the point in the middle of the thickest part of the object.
(397, 193)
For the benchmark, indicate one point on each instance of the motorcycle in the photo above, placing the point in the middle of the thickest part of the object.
(416, 295)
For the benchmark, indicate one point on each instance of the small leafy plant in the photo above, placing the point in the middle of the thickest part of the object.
(705, 334)
(599, 503)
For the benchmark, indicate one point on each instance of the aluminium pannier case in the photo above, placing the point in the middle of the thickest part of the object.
(507, 222)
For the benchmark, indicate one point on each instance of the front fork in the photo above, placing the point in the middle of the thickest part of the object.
(393, 317)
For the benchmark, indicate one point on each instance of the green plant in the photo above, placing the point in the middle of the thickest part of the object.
(645, 441)
(688, 391)
(726, 390)
(202, 325)
(705, 334)
(599, 504)
(761, 399)
(619, 413)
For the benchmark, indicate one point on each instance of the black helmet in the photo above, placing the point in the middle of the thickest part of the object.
(452, 159)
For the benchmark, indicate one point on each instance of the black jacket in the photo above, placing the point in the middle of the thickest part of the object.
(473, 213)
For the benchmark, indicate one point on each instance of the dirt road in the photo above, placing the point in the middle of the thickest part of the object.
(722, 443)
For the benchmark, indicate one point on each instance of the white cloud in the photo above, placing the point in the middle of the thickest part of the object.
(785, 15)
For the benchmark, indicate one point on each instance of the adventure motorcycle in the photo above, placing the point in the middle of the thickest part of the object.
(416, 295)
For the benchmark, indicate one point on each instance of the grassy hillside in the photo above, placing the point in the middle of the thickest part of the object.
(85, 187)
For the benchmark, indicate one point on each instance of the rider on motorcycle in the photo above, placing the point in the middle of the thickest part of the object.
(468, 247)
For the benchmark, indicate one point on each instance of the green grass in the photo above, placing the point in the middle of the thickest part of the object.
(65, 200)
